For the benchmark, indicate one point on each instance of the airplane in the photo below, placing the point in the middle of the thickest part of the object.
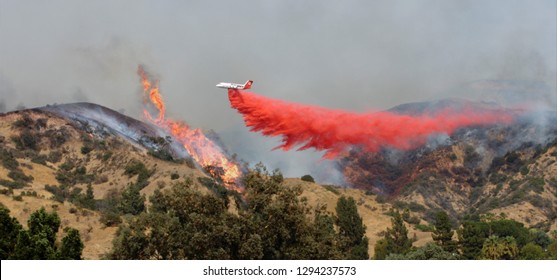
(247, 85)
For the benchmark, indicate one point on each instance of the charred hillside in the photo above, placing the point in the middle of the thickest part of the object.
(505, 167)
(100, 121)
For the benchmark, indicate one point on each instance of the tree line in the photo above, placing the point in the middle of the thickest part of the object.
(270, 221)
(39, 241)
(487, 237)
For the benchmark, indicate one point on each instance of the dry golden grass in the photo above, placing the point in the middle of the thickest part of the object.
(96, 237)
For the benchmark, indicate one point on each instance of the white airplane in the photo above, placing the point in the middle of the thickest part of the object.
(247, 85)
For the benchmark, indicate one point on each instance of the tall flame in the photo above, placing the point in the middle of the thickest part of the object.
(202, 149)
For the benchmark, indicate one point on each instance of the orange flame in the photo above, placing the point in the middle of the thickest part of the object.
(202, 149)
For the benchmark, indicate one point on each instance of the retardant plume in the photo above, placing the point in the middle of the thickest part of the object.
(334, 131)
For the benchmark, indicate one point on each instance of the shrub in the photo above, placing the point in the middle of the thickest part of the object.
(41, 123)
(39, 159)
(59, 193)
(106, 156)
(12, 184)
(536, 184)
(25, 122)
(108, 206)
(496, 178)
(524, 170)
(174, 176)
(136, 167)
(65, 176)
(30, 193)
(8, 160)
(57, 137)
(308, 178)
(18, 176)
(25, 140)
(67, 165)
(132, 202)
(6, 191)
(86, 149)
(513, 185)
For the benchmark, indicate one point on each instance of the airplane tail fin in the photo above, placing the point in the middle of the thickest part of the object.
(247, 85)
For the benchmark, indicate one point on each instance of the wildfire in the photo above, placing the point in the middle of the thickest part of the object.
(202, 149)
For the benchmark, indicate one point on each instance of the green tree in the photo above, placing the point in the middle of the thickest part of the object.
(281, 218)
(538, 237)
(37, 243)
(308, 178)
(132, 201)
(87, 200)
(252, 249)
(72, 246)
(499, 248)
(90, 197)
(397, 236)
(182, 223)
(109, 207)
(351, 229)
(380, 249)
(44, 224)
(33, 247)
(471, 237)
(443, 232)
(430, 251)
(552, 249)
(272, 222)
(325, 237)
(506, 227)
(9, 230)
(532, 251)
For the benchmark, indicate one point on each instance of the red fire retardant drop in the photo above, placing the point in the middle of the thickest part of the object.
(334, 131)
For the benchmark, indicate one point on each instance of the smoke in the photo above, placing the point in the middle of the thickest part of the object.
(376, 53)
(6, 92)
(334, 131)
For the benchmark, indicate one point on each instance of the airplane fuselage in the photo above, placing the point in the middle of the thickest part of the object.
(247, 85)
(230, 85)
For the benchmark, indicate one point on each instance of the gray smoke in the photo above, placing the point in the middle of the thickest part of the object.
(353, 55)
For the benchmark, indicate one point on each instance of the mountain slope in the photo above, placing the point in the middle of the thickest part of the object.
(50, 155)
(65, 148)
(499, 168)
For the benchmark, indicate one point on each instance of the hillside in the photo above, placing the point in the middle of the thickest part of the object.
(80, 159)
(500, 168)
(51, 155)
(55, 151)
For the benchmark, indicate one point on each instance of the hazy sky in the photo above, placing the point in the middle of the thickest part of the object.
(354, 55)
